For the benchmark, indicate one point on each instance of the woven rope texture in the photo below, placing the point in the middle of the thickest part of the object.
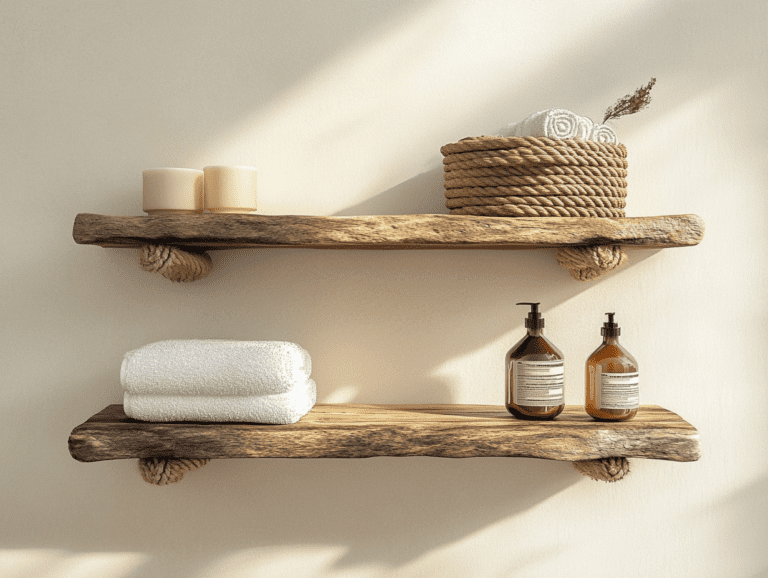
(543, 200)
(536, 211)
(535, 169)
(604, 470)
(587, 263)
(164, 471)
(175, 264)
(541, 177)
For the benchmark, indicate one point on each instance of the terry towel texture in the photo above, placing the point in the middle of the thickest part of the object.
(602, 133)
(280, 408)
(215, 367)
(552, 123)
(562, 124)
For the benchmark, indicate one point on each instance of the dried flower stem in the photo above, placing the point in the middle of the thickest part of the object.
(631, 103)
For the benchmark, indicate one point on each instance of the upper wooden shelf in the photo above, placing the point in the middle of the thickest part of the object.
(209, 231)
(362, 431)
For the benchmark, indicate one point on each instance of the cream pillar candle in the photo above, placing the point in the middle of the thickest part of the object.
(170, 190)
(230, 189)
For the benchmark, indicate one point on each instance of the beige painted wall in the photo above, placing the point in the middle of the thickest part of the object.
(343, 106)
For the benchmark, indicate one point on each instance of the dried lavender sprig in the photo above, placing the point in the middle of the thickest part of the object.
(631, 103)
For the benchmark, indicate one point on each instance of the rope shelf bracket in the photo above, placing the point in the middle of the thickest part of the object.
(165, 471)
(175, 264)
(591, 262)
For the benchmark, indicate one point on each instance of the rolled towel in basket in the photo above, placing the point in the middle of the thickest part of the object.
(215, 367)
(551, 123)
(279, 408)
(602, 133)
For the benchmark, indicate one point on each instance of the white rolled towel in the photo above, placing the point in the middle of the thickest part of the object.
(279, 408)
(215, 367)
(602, 133)
(552, 123)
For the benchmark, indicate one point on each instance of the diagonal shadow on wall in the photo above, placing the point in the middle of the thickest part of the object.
(351, 306)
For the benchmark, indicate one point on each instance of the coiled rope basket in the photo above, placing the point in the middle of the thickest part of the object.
(541, 177)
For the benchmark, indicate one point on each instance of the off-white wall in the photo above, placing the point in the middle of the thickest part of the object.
(343, 106)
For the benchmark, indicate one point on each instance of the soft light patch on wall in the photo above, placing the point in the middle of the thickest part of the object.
(345, 394)
(50, 563)
(652, 169)
(465, 375)
(300, 560)
(377, 114)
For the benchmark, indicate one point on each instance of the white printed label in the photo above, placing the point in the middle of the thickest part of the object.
(618, 390)
(537, 383)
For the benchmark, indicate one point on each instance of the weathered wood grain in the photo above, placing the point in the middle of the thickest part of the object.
(361, 431)
(208, 231)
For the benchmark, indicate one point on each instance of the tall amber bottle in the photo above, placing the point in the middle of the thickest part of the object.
(534, 373)
(612, 379)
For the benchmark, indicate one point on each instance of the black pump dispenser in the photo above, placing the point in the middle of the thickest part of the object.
(534, 319)
(610, 329)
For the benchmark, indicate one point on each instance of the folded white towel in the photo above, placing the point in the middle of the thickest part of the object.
(602, 133)
(551, 123)
(215, 367)
(279, 408)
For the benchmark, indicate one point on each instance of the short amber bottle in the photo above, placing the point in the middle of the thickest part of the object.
(534, 373)
(612, 378)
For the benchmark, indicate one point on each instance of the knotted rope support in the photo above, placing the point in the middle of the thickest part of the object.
(164, 471)
(587, 263)
(605, 469)
(175, 264)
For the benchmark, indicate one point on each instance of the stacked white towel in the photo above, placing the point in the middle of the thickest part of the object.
(218, 380)
(558, 123)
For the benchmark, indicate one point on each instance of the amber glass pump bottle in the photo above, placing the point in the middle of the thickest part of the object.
(612, 379)
(534, 373)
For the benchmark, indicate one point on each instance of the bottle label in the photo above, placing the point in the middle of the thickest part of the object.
(538, 383)
(618, 390)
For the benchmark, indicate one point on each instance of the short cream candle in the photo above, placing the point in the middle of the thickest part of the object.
(171, 190)
(230, 189)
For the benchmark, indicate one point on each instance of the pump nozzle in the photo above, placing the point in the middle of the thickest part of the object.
(534, 320)
(610, 329)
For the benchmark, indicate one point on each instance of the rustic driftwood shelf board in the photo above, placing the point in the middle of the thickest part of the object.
(362, 431)
(209, 231)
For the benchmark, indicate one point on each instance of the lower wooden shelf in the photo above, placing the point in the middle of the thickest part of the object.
(363, 431)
